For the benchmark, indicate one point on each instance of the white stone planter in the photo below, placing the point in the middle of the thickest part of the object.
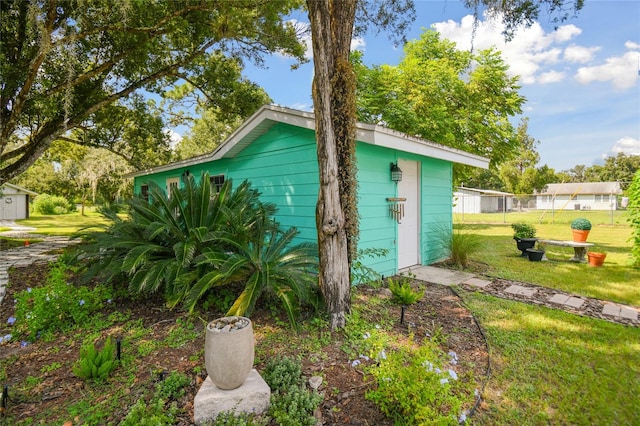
(229, 351)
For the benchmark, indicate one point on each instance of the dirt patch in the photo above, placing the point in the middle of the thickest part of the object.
(53, 390)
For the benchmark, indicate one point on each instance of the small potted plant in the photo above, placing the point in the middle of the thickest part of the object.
(596, 256)
(525, 236)
(580, 228)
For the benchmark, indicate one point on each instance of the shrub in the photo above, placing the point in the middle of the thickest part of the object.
(402, 292)
(51, 205)
(523, 230)
(581, 224)
(96, 364)
(280, 373)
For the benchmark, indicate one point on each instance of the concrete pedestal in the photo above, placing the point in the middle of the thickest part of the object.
(252, 397)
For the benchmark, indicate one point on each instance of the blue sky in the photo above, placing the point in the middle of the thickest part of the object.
(581, 79)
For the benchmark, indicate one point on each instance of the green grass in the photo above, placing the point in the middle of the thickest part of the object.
(615, 281)
(66, 224)
(552, 367)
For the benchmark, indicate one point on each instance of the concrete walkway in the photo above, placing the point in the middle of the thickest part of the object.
(533, 294)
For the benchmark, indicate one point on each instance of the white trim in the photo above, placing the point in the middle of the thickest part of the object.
(262, 120)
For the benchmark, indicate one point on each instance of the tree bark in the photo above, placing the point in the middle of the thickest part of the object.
(334, 105)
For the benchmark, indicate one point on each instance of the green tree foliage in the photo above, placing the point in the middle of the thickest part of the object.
(66, 66)
(455, 98)
(195, 240)
(634, 217)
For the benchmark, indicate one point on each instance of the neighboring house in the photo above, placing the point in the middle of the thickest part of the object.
(472, 200)
(579, 196)
(14, 202)
(275, 150)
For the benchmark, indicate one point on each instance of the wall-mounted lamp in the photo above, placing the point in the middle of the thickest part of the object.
(396, 173)
(185, 176)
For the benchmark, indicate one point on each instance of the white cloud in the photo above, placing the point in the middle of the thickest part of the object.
(579, 54)
(527, 53)
(621, 71)
(627, 145)
(551, 77)
(566, 33)
(358, 44)
(632, 45)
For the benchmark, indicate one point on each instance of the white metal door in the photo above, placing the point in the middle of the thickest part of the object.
(409, 226)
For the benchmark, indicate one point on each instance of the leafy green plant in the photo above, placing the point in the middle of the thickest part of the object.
(362, 274)
(51, 205)
(172, 387)
(96, 364)
(230, 418)
(156, 413)
(402, 292)
(291, 403)
(523, 230)
(634, 217)
(57, 305)
(581, 224)
(295, 407)
(413, 387)
(280, 373)
(196, 240)
(265, 263)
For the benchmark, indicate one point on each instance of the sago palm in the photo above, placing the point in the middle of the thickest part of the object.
(265, 262)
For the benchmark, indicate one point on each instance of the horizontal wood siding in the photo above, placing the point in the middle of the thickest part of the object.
(377, 229)
(437, 213)
(282, 165)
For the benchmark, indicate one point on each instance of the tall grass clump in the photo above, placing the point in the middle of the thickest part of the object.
(459, 243)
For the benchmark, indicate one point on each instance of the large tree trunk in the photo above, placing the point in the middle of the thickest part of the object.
(334, 104)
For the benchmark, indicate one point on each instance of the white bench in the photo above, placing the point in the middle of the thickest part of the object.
(579, 249)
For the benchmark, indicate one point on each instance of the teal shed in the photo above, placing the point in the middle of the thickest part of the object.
(275, 150)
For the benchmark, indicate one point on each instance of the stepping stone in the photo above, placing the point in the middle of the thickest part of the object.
(629, 313)
(620, 311)
(611, 309)
(559, 298)
(520, 290)
(477, 282)
(574, 302)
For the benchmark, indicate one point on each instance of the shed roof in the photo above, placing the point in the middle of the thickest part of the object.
(484, 191)
(582, 188)
(267, 116)
(16, 189)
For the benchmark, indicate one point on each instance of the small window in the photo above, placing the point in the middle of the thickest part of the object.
(216, 182)
(144, 192)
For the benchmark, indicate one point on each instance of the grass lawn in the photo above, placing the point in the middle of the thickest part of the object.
(615, 281)
(551, 367)
(62, 224)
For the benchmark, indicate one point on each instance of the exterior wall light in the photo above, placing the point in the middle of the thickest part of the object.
(396, 173)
